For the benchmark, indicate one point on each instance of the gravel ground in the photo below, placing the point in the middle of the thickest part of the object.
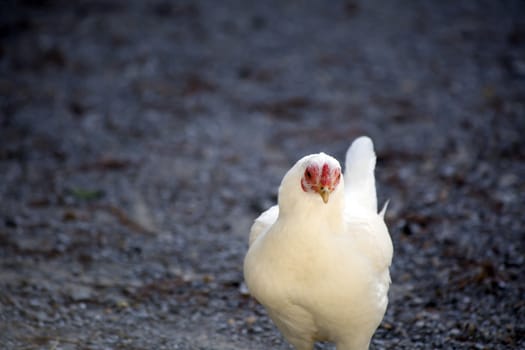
(139, 139)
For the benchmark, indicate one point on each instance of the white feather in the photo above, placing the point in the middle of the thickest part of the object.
(321, 270)
(360, 182)
(263, 223)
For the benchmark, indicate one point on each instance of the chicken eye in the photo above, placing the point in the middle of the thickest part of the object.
(308, 174)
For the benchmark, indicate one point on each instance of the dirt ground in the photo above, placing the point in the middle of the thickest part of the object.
(139, 139)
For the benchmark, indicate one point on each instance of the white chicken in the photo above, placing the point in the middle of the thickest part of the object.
(319, 260)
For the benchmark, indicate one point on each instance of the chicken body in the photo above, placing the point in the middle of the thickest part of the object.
(321, 269)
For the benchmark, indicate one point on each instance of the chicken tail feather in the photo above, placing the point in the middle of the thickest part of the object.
(383, 211)
(359, 176)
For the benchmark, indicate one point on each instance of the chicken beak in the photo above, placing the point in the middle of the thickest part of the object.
(325, 194)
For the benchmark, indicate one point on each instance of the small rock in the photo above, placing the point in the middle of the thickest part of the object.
(80, 293)
(250, 320)
(243, 289)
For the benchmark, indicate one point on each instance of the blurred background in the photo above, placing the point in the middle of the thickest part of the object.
(139, 140)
